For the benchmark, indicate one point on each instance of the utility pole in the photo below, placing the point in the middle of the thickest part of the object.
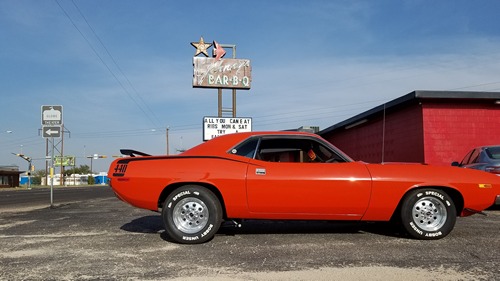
(168, 147)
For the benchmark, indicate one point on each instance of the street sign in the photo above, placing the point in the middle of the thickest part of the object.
(52, 115)
(51, 131)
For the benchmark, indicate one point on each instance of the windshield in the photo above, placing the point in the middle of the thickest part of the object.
(493, 152)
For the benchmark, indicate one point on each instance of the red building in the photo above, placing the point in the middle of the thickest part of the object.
(433, 127)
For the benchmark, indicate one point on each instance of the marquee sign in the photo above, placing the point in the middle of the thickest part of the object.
(218, 126)
(218, 72)
(222, 73)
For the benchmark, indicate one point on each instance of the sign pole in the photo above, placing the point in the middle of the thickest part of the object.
(52, 175)
(52, 127)
(234, 103)
(61, 179)
(233, 90)
(219, 93)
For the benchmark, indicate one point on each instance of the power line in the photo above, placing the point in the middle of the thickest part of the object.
(117, 66)
(477, 85)
(155, 122)
(263, 120)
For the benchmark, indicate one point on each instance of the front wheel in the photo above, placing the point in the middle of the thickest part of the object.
(428, 214)
(192, 214)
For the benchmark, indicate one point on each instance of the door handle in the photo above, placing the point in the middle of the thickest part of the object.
(260, 171)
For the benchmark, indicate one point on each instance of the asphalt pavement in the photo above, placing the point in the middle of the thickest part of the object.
(90, 235)
(39, 197)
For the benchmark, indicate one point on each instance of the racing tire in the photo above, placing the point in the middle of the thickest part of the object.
(191, 214)
(428, 214)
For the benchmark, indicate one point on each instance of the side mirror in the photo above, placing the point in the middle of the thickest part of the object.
(455, 164)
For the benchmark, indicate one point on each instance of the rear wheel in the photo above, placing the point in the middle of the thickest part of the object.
(192, 214)
(428, 214)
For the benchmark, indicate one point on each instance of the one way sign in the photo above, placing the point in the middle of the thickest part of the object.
(51, 131)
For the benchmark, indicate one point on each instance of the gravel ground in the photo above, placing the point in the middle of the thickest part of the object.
(106, 239)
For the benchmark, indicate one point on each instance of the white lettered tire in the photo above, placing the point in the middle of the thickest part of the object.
(428, 214)
(191, 214)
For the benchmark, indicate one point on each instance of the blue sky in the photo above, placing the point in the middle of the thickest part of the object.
(122, 70)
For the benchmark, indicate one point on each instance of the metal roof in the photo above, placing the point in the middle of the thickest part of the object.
(410, 98)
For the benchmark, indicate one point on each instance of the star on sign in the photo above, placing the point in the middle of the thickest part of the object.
(201, 47)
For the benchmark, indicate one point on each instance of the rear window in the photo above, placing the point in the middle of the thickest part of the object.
(247, 148)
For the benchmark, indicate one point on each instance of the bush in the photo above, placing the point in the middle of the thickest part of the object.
(36, 180)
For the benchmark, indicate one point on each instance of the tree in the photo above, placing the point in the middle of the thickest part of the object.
(82, 170)
(37, 176)
(91, 180)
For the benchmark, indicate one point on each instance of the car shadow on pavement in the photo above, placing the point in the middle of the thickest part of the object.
(154, 225)
(147, 224)
(308, 227)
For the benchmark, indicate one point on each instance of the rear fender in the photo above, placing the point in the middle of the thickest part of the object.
(170, 188)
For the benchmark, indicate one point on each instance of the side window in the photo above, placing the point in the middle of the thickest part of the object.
(246, 149)
(298, 150)
(279, 150)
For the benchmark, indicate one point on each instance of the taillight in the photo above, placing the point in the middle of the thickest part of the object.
(493, 169)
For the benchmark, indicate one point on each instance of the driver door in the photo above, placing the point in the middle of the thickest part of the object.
(296, 188)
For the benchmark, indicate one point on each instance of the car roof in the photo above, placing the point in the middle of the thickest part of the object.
(488, 146)
(221, 144)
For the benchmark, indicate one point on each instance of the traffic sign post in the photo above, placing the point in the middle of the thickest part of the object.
(52, 124)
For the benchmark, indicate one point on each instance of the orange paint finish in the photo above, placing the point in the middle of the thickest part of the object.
(251, 188)
(148, 181)
(392, 181)
(331, 191)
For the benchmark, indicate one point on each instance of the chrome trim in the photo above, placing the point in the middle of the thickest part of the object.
(260, 171)
(429, 214)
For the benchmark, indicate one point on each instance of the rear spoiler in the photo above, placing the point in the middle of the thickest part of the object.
(132, 153)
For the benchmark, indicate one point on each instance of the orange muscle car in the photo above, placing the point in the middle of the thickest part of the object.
(294, 176)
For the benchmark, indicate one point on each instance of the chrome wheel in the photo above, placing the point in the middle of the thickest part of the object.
(190, 215)
(429, 214)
